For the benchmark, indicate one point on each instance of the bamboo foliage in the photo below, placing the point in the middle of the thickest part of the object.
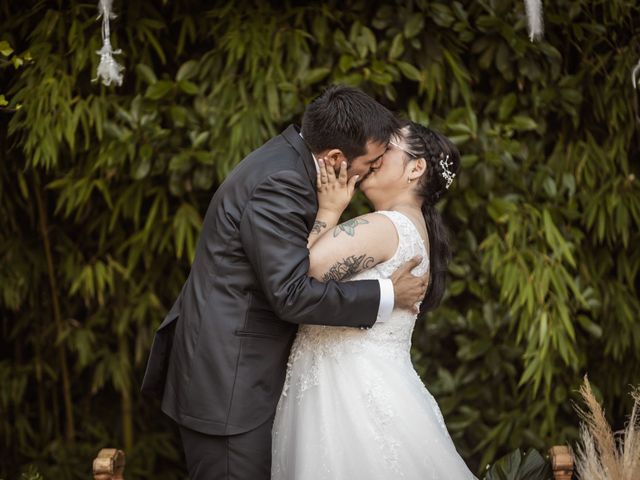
(103, 190)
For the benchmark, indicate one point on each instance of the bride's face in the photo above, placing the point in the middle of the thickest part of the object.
(391, 177)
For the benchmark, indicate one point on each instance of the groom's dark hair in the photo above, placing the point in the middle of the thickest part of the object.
(346, 118)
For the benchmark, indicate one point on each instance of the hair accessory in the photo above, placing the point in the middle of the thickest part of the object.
(446, 173)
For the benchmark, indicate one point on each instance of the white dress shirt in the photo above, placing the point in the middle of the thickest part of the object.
(385, 307)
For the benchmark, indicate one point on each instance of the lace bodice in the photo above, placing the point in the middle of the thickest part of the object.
(391, 338)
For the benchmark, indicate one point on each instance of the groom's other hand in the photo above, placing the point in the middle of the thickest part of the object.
(409, 290)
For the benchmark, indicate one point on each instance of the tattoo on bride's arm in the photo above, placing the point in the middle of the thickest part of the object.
(349, 226)
(318, 226)
(348, 266)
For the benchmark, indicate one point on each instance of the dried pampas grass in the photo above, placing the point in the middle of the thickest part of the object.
(604, 454)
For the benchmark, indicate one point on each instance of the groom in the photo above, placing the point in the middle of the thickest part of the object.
(218, 359)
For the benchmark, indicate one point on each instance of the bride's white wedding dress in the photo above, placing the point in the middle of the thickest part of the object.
(353, 407)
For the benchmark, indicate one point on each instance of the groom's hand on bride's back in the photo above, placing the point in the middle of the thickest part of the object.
(408, 289)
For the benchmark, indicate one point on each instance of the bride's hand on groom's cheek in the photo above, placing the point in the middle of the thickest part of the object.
(334, 193)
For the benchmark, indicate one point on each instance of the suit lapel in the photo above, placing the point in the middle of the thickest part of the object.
(292, 136)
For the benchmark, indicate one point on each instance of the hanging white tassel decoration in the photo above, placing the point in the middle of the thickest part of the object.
(634, 82)
(108, 70)
(534, 18)
(634, 75)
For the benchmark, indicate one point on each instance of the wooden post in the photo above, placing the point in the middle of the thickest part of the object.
(561, 462)
(109, 465)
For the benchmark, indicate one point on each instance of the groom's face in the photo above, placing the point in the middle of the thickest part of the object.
(371, 160)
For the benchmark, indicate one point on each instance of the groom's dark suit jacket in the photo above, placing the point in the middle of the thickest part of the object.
(218, 359)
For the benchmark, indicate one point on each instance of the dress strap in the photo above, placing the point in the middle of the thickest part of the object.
(410, 241)
(403, 225)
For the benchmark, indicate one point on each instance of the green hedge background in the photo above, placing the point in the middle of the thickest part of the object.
(103, 190)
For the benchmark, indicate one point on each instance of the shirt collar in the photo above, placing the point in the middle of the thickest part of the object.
(315, 160)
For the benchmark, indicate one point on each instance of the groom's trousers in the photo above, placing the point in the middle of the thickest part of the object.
(246, 456)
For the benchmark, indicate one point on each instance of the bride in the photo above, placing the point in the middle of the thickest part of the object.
(352, 406)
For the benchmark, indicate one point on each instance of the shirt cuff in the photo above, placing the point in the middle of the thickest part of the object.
(386, 300)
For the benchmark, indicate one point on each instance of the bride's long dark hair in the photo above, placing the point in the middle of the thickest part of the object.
(443, 159)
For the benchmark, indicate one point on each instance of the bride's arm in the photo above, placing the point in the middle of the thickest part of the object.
(334, 195)
(325, 221)
(355, 245)
(338, 252)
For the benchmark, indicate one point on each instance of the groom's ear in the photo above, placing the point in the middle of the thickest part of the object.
(335, 157)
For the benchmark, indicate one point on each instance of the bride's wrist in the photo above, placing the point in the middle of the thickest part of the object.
(329, 214)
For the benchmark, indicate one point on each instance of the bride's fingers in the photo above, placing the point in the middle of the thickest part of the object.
(342, 177)
(351, 186)
(331, 174)
(323, 171)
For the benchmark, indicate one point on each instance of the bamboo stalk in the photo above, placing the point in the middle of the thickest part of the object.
(66, 384)
(127, 404)
(127, 420)
(42, 411)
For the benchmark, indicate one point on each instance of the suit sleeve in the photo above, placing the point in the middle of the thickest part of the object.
(274, 232)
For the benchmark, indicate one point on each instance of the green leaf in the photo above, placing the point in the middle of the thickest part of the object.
(530, 371)
(178, 115)
(469, 160)
(185, 221)
(507, 105)
(146, 73)
(549, 186)
(181, 161)
(397, 47)
(442, 14)
(346, 62)
(409, 71)
(314, 75)
(22, 184)
(535, 466)
(273, 100)
(520, 122)
(143, 167)
(5, 48)
(414, 25)
(593, 328)
(188, 87)
(200, 139)
(499, 209)
(187, 70)
(369, 39)
(474, 349)
(159, 90)
(506, 468)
